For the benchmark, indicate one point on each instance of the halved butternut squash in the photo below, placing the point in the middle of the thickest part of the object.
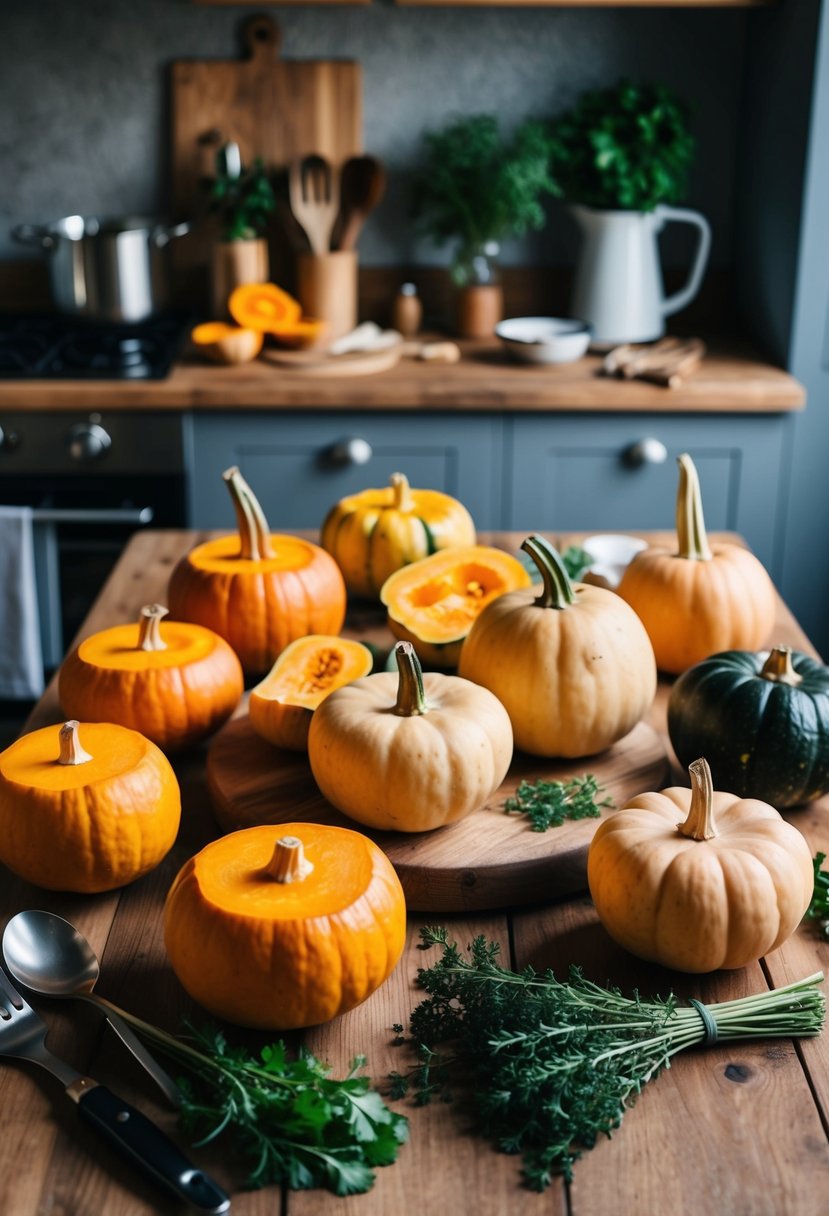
(433, 602)
(263, 306)
(281, 705)
(222, 343)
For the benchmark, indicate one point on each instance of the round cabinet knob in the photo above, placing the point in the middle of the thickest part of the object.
(88, 441)
(8, 439)
(645, 451)
(347, 452)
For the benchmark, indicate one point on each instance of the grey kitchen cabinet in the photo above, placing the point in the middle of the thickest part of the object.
(299, 465)
(604, 473)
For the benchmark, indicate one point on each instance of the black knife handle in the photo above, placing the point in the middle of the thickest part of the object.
(151, 1150)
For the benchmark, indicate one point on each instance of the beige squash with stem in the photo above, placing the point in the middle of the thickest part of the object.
(699, 879)
(701, 598)
(572, 665)
(409, 752)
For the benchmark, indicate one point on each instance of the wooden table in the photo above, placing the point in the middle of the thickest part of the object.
(738, 1130)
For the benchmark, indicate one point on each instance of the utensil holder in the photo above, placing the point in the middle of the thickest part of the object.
(233, 263)
(327, 289)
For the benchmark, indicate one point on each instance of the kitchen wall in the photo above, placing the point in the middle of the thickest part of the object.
(82, 95)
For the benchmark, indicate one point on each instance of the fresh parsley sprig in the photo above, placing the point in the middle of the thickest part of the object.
(288, 1119)
(549, 1066)
(548, 803)
(819, 907)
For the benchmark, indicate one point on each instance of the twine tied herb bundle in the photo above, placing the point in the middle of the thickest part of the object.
(549, 1066)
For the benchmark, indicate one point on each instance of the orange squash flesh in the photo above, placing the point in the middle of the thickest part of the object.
(296, 923)
(263, 306)
(229, 344)
(432, 603)
(87, 808)
(282, 704)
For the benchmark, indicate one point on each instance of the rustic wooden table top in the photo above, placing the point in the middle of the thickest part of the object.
(737, 1130)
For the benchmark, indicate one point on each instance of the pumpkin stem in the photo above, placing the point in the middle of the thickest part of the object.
(71, 751)
(149, 628)
(411, 699)
(690, 522)
(557, 590)
(700, 822)
(289, 863)
(778, 667)
(254, 533)
(402, 495)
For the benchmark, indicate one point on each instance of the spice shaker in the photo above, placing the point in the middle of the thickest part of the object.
(407, 311)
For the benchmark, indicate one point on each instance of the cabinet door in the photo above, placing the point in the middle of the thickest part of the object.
(600, 473)
(299, 466)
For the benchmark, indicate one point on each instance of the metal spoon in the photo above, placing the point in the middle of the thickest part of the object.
(49, 955)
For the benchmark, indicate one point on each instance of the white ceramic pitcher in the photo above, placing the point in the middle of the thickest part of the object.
(618, 287)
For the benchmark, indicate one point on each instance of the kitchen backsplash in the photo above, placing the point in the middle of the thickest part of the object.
(83, 93)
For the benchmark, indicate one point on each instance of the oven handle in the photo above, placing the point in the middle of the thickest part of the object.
(118, 515)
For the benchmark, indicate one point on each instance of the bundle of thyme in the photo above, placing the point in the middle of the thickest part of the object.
(549, 1066)
(548, 803)
(287, 1118)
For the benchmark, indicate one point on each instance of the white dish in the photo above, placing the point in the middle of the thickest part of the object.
(544, 339)
(612, 553)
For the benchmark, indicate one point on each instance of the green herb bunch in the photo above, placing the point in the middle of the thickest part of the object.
(626, 147)
(286, 1118)
(547, 1067)
(478, 188)
(241, 196)
(819, 907)
(548, 803)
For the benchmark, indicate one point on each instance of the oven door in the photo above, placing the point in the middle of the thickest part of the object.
(80, 527)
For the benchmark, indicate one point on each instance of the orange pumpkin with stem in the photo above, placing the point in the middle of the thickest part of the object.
(702, 598)
(258, 590)
(86, 807)
(173, 681)
(283, 926)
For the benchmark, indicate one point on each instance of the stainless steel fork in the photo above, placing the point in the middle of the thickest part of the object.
(23, 1036)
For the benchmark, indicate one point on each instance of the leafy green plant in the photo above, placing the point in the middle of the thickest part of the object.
(548, 803)
(242, 197)
(478, 188)
(625, 147)
(819, 907)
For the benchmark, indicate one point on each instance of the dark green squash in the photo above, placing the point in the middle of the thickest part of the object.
(760, 719)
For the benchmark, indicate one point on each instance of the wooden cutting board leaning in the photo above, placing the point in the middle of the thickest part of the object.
(279, 109)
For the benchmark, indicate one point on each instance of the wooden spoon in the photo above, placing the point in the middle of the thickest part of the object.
(362, 185)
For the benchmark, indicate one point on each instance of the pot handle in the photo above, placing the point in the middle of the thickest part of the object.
(683, 215)
(33, 234)
(162, 234)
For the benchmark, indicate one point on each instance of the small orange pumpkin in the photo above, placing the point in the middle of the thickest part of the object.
(284, 926)
(703, 598)
(174, 682)
(281, 706)
(78, 820)
(258, 590)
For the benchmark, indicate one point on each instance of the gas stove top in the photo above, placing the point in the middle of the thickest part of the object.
(63, 348)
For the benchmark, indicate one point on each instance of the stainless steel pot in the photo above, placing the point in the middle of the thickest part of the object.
(106, 269)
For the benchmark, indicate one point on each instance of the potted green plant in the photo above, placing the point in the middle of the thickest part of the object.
(476, 188)
(620, 158)
(242, 199)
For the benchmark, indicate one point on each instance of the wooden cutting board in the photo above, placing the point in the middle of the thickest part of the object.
(275, 108)
(487, 860)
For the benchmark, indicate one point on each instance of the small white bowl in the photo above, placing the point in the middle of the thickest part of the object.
(544, 339)
(612, 553)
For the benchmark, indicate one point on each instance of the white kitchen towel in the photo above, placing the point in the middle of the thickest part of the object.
(21, 658)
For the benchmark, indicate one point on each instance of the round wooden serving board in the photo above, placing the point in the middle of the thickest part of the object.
(487, 860)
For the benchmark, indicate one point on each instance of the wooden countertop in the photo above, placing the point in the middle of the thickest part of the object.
(739, 1129)
(485, 379)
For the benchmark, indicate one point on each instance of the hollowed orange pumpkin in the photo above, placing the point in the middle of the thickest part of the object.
(174, 682)
(258, 590)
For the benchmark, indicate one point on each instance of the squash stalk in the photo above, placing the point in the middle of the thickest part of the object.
(700, 822)
(778, 667)
(411, 699)
(254, 533)
(289, 863)
(149, 628)
(557, 590)
(401, 491)
(692, 537)
(71, 751)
